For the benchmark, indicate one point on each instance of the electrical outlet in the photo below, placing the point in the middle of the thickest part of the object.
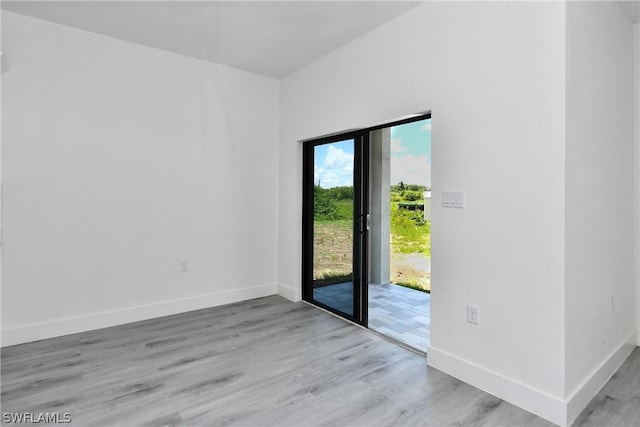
(184, 267)
(472, 314)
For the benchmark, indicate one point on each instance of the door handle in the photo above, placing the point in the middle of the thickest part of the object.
(364, 223)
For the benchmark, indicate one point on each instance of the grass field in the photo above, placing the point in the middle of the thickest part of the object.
(410, 236)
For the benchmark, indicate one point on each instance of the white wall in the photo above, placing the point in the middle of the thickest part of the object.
(637, 129)
(119, 162)
(2, 69)
(600, 263)
(493, 75)
(637, 157)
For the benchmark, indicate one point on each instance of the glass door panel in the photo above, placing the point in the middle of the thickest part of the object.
(334, 267)
(333, 219)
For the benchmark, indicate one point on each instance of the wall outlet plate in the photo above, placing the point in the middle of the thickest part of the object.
(472, 314)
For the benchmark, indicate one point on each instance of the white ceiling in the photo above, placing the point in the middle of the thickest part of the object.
(273, 38)
(632, 7)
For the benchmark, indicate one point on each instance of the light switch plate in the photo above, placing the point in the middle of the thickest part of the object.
(453, 199)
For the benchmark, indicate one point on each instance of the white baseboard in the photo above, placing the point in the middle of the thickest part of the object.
(549, 407)
(291, 294)
(72, 325)
(557, 410)
(582, 394)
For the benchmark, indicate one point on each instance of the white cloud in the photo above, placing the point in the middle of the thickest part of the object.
(336, 170)
(396, 146)
(411, 170)
(337, 158)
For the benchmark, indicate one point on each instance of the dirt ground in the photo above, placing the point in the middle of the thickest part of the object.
(332, 254)
(332, 248)
(412, 268)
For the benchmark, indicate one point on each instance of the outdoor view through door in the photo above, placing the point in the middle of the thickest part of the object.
(335, 225)
(367, 228)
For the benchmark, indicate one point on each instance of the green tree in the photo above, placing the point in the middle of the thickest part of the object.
(412, 196)
(324, 208)
(342, 193)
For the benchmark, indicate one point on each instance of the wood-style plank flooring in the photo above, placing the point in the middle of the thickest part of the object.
(618, 403)
(264, 362)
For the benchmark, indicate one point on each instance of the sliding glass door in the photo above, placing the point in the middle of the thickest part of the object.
(335, 222)
(367, 227)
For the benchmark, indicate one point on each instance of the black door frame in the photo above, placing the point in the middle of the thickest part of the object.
(360, 212)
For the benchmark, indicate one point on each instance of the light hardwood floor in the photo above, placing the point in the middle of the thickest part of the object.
(265, 362)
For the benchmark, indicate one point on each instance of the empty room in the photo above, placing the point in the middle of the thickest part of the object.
(200, 205)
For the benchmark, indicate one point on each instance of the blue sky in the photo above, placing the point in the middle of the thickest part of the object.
(411, 153)
(334, 164)
(410, 158)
